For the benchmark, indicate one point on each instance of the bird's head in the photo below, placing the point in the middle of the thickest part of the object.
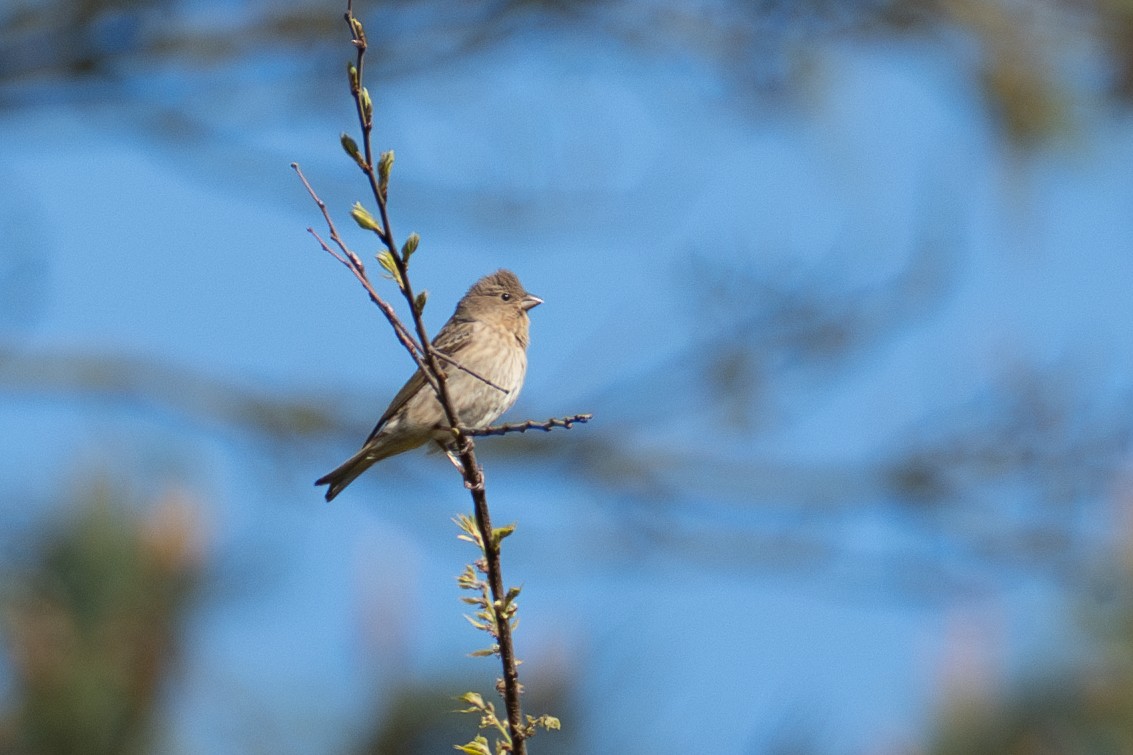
(499, 299)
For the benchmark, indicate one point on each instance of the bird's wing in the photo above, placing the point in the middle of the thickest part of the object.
(450, 340)
(453, 337)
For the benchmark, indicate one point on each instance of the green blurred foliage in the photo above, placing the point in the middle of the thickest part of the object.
(92, 627)
(92, 630)
(1013, 51)
(1084, 710)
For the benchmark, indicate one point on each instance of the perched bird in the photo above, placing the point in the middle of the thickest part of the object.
(485, 348)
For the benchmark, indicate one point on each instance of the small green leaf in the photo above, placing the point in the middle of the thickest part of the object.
(364, 219)
(485, 652)
(410, 246)
(385, 259)
(468, 579)
(479, 625)
(357, 30)
(478, 746)
(351, 148)
(385, 165)
(419, 302)
(468, 527)
(367, 106)
(550, 723)
(349, 145)
(473, 698)
(499, 533)
(352, 75)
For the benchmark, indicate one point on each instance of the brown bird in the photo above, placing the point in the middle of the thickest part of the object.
(485, 342)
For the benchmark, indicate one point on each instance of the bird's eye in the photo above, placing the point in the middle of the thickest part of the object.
(505, 297)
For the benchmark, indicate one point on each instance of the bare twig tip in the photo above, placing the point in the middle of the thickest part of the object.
(522, 427)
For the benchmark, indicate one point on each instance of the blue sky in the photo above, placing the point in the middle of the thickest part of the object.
(607, 180)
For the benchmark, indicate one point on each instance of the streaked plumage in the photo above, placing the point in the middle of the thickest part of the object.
(487, 335)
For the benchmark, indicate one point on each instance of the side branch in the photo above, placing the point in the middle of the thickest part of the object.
(354, 264)
(522, 427)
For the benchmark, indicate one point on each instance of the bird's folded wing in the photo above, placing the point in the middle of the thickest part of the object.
(449, 341)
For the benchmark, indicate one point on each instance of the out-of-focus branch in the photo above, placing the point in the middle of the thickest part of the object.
(756, 44)
(1061, 441)
(138, 381)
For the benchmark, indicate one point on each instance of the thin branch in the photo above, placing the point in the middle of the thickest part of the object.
(363, 107)
(326, 248)
(472, 473)
(445, 357)
(428, 361)
(522, 427)
(354, 264)
(350, 255)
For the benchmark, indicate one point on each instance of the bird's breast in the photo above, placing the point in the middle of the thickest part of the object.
(494, 369)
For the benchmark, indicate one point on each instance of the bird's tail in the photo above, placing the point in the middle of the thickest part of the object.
(347, 472)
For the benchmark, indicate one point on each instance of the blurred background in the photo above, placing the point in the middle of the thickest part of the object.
(845, 283)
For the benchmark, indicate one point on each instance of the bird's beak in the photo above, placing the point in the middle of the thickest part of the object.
(530, 302)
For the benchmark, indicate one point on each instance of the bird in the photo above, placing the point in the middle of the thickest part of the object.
(483, 349)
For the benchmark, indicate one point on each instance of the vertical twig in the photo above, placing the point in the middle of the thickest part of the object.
(473, 474)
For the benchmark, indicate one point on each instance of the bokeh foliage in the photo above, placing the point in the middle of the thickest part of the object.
(92, 626)
(92, 618)
(1084, 708)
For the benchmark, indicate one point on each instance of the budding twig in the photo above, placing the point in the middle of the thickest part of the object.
(429, 363)
(500, 608)
(354, 264)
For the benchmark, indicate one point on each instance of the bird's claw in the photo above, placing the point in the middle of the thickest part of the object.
(451, 455)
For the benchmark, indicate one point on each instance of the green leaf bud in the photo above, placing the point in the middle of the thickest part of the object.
(385, 164)
(364, 219)
(385, 259)
(410, 246)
